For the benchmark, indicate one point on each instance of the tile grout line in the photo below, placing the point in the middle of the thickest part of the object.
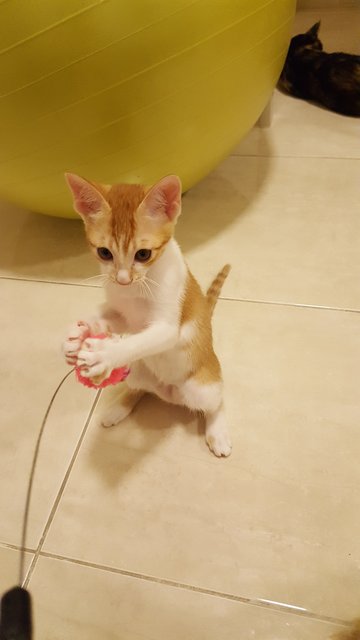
(255, 602)
(298, 305)
(301, 305)
(35, 280)
(59, 495)
(15, 547)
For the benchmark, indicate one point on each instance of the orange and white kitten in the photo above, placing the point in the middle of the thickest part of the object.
(154, 299)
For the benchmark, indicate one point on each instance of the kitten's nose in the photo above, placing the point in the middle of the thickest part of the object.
(123, 277)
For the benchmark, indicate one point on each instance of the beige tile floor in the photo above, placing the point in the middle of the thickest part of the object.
(137, 532)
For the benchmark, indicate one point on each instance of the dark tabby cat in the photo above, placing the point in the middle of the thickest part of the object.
(331, 79)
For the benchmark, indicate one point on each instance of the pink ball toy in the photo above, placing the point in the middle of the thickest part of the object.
(116, 376)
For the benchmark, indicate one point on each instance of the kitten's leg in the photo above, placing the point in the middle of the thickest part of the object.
(139, 382)
(207, 398)
(120, 408)
(216, 435)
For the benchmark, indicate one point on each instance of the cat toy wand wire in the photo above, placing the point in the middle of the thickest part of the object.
(16, 613)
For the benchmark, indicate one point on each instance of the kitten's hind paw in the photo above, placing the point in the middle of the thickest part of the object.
(119, 410)
(219, 444)
(114, 415)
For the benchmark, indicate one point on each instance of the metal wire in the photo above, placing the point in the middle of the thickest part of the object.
(31, 481)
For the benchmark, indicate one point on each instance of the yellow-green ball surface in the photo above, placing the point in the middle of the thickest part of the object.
(130, 91)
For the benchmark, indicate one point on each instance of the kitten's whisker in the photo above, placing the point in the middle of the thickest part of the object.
(143, 291)
(147, 288)
(100, 275)
(100, 282)
(151, 281)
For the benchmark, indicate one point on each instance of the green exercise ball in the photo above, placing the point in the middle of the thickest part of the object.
(130, 91)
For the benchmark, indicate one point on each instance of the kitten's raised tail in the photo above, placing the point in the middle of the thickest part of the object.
(213, 291)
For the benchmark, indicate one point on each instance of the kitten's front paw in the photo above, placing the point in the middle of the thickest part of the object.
(95, 358)
(72, 344)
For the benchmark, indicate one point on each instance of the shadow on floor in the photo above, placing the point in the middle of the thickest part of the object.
(34, 245)
(220, 198)
(116, 451)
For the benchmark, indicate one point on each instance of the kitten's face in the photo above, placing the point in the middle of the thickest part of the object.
(127, 226)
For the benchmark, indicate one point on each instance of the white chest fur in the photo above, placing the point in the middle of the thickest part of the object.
(163, 304)
(131, 307)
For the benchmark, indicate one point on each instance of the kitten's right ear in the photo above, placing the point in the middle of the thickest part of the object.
(313, 32)
(88, 200)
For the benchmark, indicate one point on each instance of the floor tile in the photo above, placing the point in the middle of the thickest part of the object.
(249, 146)
(302, 129)
(277, 519)
(322, 133)
(9, 567)
(91, 603)
(33, 321)
(288, 235)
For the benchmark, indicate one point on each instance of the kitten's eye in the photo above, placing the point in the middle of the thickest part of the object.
(143, 255)
(104, 253)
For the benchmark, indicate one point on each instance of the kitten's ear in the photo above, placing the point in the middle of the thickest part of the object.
(164, 198)
(88, 200)
(313, 32)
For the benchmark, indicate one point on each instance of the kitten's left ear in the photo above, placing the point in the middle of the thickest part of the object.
(164, 198)
(314, 30)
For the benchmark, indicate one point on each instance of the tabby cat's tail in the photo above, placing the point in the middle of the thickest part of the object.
(213, 291)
